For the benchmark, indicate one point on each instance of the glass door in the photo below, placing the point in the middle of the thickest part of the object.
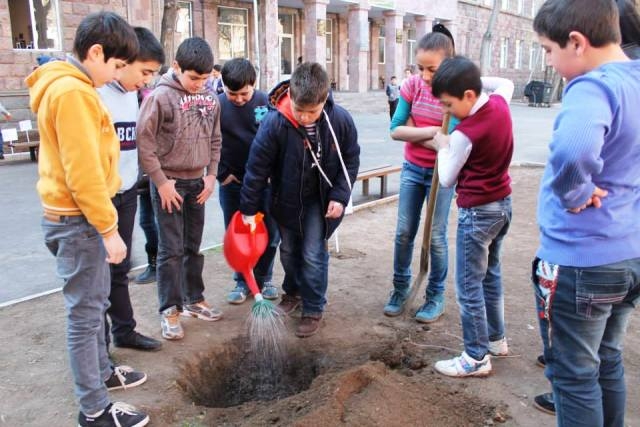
(285, 37)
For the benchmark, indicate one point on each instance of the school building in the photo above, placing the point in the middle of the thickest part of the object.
(361, 42)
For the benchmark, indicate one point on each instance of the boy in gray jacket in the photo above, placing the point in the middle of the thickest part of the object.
(179, 147)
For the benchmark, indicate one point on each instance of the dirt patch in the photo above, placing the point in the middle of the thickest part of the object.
(361, 369)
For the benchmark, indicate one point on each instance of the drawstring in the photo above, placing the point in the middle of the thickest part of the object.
(335, 140)
(315, 161)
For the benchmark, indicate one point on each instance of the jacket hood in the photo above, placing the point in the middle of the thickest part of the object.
(168, 79)
(280, 100)
(42, 77)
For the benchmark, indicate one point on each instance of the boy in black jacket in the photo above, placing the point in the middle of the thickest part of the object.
(308, 147)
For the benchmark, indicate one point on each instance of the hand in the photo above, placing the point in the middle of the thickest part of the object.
(169, 197)
(116, 249)
(249, 220)
(207, 191)
(441, 141)
(334, 210)
(231, 178)
(595, 200)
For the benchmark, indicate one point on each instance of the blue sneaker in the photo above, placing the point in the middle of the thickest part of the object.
(238, 295)
(395, 306)
(269, 291)
(432, 309)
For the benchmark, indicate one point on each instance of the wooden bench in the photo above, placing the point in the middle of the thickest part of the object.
(33, 147)
(378, 172)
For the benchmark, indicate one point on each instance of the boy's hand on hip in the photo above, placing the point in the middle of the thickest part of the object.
(169, 197)
(116, 248)
(207, 191)
(334, 210)
(595, 200)
(231, 178)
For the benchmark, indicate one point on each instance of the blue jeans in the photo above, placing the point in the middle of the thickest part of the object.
(582, 339)
(148, 223)
(415, 185)
(180, 263)
(305, 259)
(81, 264)
(229, 196)
(481, 231)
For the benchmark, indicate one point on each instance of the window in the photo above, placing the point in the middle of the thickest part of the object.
(411, 45)
(533, 55)
(520, 7)
(285, 39)
(533, 8)
(184, 28)
(504, 4)
(381, 57)
(504, 52)
(39, 14)
(232, 36)
(518, 61)
(329, 40)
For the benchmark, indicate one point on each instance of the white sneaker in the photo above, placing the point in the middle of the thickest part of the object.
(202, 310)
(170, 323)
(464, 366)
(499, 348)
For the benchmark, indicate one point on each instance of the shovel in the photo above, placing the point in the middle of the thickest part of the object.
(428, 224)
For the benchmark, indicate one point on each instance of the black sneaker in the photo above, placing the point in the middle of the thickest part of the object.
(117, 414)
(124, 377)
(545, 403)
(540, 361)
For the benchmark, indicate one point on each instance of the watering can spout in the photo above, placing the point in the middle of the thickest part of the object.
(243, 247)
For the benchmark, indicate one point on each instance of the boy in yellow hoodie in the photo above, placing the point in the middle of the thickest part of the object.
(78, 169)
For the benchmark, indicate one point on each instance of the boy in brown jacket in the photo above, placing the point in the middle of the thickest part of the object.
(178, 139)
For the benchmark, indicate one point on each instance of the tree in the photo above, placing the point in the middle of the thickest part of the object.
(485, 47)
(168, 28)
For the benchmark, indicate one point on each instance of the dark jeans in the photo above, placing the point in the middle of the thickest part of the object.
(229, 196)
(305, 259)
(583, 323)
(148, 223)
(392, 107)
(180, 263)
(120, 311)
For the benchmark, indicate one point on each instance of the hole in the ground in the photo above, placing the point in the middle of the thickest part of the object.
(231, 376)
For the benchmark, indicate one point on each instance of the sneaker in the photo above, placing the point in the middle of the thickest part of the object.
(124, 377)
(202, 310)
(465, 366)
(540, 361)
(270, 292)
(288, 303)
(395, 306)
(499, 348)
(171, 327)
(147, 276)
(545, 403)
(117, 414)
(309, 325)
(238, 295)
(432, 309)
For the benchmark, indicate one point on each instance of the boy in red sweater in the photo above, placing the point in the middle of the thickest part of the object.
(477, 156)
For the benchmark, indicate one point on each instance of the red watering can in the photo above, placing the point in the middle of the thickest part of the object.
(243, 248)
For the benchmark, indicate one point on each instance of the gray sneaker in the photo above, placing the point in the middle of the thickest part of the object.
(170, 323)
(202, 310)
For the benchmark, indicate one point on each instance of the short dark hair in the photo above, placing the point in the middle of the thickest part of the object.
(455, 76)
(150, 47)
(597, 20)
(629, 21)
(435, 42)
(195, 54)
(309, 84)
(111, 31)
(217, 67)
(238, 73)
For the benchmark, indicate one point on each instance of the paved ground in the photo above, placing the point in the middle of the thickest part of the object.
(28, 269)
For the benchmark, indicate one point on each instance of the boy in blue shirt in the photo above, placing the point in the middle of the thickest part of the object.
(587, 270)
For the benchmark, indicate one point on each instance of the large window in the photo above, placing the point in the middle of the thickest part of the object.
(35, 24)
(232, 36)
(184, 27)
(518, 61)
(329, 40)
(381, 38)
(504, 52)
(411, 45)
(285, 36)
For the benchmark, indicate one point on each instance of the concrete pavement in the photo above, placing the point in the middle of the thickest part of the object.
(28, 269)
